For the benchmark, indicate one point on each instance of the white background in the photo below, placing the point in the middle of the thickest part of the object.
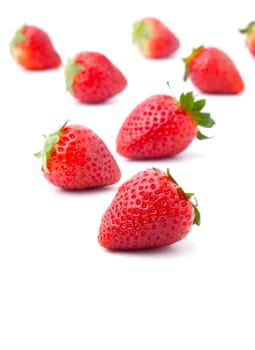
(59, 289)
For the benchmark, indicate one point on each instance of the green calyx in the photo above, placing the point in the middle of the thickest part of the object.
(72, 68)
(141, 31)
(49, 143)
(248, 29)
(188, 103)
(189, 196)
(18, 37)
(187, 60)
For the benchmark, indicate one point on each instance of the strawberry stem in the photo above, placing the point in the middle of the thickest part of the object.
(189, 196)
(248, 28)
(50, 141)
(141, 31)
(187, 60)
(72, 68)
(188, 103)
(18, 37)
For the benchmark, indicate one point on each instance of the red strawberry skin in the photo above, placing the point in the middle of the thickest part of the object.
(147, 211)
(153, 38)
(78, 160)
(211, 70)
(251, 42)
(92, 78)
(156, 128)
(32, 48)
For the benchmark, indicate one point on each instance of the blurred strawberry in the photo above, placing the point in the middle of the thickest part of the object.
(32, 48)
(153, 38)
(92, 78)
(212, 71)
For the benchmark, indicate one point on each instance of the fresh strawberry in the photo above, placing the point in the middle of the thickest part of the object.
(75, 158)
(149, 210)
(92, 78)
(153, 38)
(32, 48)
(249, 31)
(162, 126)
(212, 71)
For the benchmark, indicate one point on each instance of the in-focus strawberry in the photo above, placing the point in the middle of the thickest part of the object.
(75, 158)
(249, 31)
(212, 71)
(153, 38)
(149, 210)
(92, 78)
(32, 48)
(161, 126)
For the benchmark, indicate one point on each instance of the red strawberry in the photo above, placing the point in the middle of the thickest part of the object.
(75, 158)
(211, 70)
(32, 48)
(153, 38)
(161, 126)
(249, 31)
(149, 210)
(91, 77)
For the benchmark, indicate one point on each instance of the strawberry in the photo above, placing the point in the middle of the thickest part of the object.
(249, 31)
(162, 126)
(32, 48)
(91, 77)
(153, 38)
(75, 158)
(149, 210)
(212, 71)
